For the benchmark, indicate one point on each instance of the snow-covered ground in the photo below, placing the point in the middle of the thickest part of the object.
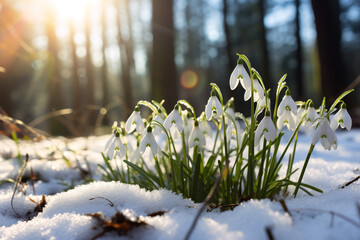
(334, 214)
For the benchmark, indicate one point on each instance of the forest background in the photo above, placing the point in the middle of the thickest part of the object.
(71, 67)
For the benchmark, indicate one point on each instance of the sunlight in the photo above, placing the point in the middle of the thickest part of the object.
(72, 10)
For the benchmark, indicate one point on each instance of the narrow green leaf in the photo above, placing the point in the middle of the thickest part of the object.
(146, 175)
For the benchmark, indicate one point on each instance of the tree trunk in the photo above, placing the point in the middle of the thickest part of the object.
(329, 46)
(265, 73)
(88, 61)
(299, 52)
(54, 79)
(125, 63)
(164, 84)
(104, 74)
(230, 55)
(77, 106)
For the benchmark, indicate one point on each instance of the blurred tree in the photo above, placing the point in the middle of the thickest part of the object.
(126, 56)
(54, 79)
(78, 121)
(264, 45)
(164, 84)
(328, 30)
(89, 64)
(298, 53)
(104, 68)
(10, 24)
(229, 49)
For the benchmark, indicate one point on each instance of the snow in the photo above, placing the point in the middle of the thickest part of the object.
(69, 199)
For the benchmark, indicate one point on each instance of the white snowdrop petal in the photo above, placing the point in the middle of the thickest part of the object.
(208, 111)
(258, 133)
(107, 145)
(218, 106)
(139, 124)
(347, 121)
(129, 126)
(247, 95)
(234, 80)
(316, 136)
(144, 142)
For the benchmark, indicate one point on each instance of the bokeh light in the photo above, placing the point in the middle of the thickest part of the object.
(189, 79)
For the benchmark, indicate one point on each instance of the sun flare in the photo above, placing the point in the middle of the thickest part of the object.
(72, 10)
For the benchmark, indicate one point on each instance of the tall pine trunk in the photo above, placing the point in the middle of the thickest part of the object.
(329, 46)
(299, 52)
(126, 65)
(164, 84)
(265, 73)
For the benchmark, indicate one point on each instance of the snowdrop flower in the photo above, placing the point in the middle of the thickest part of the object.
(135, 121)
(238, 73)
(325, 134)
(258, 90)
(158, 119)
(235, 130)
(148, 140)
(311, 116)
(189, 124)
(300, 113)
(197, 137)
(341, 118)
(174, 118)
(230, 113)
(204, 125)
(213, 106)
(266, 127)
(114, 146)
(263, 104)
(287, 112)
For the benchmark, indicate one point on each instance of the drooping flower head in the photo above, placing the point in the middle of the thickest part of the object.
(230, 113)
(115, 146)
(287, 112)
(267, 128)
(325, 134)
(148, 140)
(135, 121)
(341, 118)
(174, 118)
(310, 118)
(238, 74)
(188, 123)
(197, 137)
(213, 106)
(158, 119)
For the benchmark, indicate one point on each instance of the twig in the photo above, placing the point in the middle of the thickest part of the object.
(18, 180)
(350, 182)
(205, 203)
(269, 233)
(332, 213)
(110, 202)
(284, 206)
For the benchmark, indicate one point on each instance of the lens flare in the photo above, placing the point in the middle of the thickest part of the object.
(189, 79)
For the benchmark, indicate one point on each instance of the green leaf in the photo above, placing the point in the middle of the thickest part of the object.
(149, 105)
(209, 165)
(188, 105)
(196, 179)
(336, 102)
(159, 106)
(147, 176)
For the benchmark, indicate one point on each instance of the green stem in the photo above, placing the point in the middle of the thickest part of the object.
(261, 169)
(250, 176)
(303, 169)
(291, 160)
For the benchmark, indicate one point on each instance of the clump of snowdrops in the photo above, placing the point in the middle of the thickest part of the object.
(189, 152)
